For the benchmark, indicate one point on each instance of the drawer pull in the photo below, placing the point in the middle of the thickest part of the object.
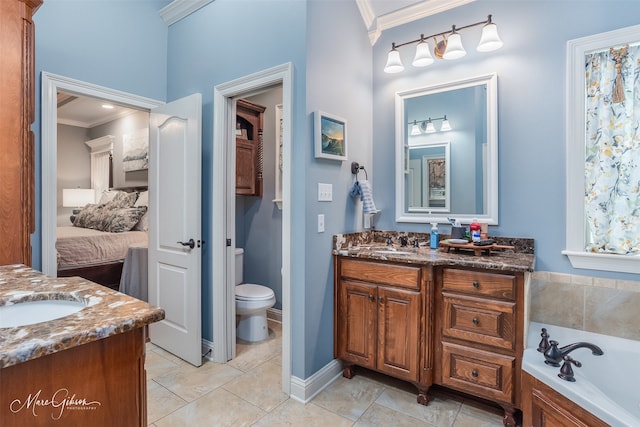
(476, 321)
(380, 299)
(474, 373)
(476, 284)
(371, 298)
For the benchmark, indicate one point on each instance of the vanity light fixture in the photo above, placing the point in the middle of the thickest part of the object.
(427, 126)
(450, 47)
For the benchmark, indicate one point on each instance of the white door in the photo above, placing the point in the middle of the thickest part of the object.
(174, 226)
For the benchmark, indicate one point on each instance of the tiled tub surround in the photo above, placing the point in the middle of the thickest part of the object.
(369, 244)
(605, 385)
(603, 306)
(108, 313)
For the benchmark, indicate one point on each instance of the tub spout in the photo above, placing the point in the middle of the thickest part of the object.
(554, 355)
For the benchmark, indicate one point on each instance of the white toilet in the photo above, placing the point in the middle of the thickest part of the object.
(252, 302)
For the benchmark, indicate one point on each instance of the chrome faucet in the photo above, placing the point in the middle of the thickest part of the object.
(554, 355)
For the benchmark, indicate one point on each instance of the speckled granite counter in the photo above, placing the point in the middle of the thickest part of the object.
(107, 313)
(372, 245)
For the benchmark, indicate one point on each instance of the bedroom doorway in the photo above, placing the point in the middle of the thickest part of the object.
(223, 209)
(51, 85)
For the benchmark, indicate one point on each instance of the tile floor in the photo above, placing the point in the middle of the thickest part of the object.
(247, 392)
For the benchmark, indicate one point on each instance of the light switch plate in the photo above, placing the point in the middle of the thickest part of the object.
(325, 192)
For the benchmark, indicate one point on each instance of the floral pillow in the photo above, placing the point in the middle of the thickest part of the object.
(91, 216)
(124, 219)
(122, 200)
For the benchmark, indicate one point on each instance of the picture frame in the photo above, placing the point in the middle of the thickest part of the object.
(330, 136)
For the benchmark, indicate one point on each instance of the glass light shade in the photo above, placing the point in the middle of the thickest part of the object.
(77, 197)
(430, 128)
(455, 49)
(445, 125)
(394, 64)
(423, 55)
(490, 40)
(415, 129)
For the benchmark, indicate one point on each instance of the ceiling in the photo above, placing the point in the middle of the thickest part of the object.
(378, 15)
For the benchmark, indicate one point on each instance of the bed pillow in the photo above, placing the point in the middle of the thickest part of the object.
(143, 199)
(92, 216)
(107, 196)
(124, 219)
(122, 200)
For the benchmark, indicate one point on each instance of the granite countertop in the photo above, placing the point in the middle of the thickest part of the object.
(372, 245)
(108, 313)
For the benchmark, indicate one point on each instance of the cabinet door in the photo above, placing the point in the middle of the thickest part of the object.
(357, 329)
(245, 167)
(398, 332)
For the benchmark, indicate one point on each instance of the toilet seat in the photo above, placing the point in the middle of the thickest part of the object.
(253, 292)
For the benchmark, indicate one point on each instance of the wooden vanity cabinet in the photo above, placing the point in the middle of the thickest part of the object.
(249, 151)
(479, 338)
(544, 407)
(380, 320)
(17, 83)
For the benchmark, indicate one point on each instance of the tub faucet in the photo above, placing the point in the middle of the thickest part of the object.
(555, 355)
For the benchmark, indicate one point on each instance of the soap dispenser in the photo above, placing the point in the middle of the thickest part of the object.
(434, 237)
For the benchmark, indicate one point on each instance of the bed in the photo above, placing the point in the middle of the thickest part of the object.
(96, 245)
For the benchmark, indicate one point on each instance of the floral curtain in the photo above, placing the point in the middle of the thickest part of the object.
(612, 164)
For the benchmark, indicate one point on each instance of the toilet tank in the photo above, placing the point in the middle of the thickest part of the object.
(239, 257)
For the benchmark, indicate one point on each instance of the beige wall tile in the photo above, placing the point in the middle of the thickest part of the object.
(556, 303)
(613, 312)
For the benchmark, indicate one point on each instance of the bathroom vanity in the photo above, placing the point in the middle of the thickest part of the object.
(85, 368)
(428, 316)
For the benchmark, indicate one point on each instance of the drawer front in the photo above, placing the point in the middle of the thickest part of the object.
(479, 283)
(490, 322)
(388, 274)
(478, 372)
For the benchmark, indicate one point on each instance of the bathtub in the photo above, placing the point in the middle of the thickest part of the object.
(606, 386)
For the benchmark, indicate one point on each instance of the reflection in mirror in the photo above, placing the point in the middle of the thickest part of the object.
(428, 177)
(446, 152)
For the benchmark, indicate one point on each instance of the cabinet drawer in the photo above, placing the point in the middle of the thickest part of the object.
(490, 322)
(478, 372)
(479, 283)
(388, 274)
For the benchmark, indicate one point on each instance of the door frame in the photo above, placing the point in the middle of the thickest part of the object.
(50, 84)
(223, 209)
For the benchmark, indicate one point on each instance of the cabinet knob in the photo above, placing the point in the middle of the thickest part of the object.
(380, 299)
(474, 373)
(476, 321)
(371, 298)
(476, 284)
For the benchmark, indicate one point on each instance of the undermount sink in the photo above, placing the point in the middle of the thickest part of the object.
(30, 312)
(393, 252)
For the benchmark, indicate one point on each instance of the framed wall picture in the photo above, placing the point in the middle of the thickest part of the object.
(330, 136)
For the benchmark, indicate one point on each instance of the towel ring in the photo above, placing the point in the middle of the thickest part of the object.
(355, 170)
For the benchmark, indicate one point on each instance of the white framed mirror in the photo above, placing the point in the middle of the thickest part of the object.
(459, 121)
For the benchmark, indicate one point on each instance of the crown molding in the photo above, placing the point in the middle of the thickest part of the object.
(178, 9)
(376, 25)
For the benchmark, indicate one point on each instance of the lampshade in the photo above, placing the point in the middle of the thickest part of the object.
(394, 64)
(77, 197)
(490, 40)
(445, 125)
(415, 129)
(423, 55)
(455, 49)
(430, 127)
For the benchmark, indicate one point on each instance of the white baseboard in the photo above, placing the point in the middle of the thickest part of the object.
(274, 314)
(305, 390)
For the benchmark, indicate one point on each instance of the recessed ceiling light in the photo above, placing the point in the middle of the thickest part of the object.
(107, 106)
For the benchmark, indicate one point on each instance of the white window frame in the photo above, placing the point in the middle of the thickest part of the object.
(575, 122)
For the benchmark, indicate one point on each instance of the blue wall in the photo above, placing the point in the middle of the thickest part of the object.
(531, 108)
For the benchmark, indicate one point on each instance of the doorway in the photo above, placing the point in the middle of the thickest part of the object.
(223, 209)
(51, 85)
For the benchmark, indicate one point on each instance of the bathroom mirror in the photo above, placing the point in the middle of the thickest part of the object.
(447, 152)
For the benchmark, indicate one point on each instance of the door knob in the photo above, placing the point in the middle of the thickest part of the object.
(191, 243)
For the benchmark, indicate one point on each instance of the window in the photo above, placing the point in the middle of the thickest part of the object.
(603, 151)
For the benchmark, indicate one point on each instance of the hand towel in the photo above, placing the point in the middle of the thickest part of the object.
(356, 190)
(368, 206)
